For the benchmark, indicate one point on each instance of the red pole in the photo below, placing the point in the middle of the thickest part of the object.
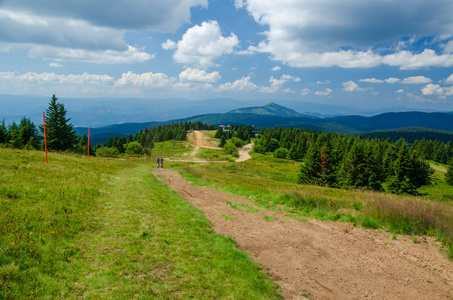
(45, 137)
(88, 144)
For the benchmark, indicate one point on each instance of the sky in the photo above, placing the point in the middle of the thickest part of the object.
(370, 54)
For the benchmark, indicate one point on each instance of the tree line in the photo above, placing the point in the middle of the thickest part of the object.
(337, 160)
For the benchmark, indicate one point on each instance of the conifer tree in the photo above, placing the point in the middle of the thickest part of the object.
(3, 133)
(27, 136)
(60, 133)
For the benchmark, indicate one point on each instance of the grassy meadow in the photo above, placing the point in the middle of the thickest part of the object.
(271, 183)
(108, 229)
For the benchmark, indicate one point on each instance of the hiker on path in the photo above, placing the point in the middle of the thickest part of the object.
(160, 162)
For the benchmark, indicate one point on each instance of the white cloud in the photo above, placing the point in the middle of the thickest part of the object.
(43, 78)
(351, 86)
(276, 68)
(145, 79)
(432, 89)
(201, 45)
(90, 31)
(169, 45)
(399, 91)
(288, 90)
(371, 80)
(243, 84)
(310, 33)
(323, 82)
(407, 60)
(416, 80)
(305, 91)
(449, 79)
(435, 89)
(122, 14)
(55, 65)
(276, 84)
(326, 92)
(199, 75)
(130, 56)
(392, 80)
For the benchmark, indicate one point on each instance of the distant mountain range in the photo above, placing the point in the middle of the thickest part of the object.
(274, 115)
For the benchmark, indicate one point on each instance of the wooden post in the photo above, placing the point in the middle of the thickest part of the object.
(45, 136)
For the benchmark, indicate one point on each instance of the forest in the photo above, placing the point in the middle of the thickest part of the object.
(337, 160)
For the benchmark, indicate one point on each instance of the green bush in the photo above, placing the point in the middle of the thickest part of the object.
(231, 149)
(237, 142)
(281, 153)
(107, 152)
(259, 149)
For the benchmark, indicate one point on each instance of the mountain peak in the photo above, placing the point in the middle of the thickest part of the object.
(269, 109)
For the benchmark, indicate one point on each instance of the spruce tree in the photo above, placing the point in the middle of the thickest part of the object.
(3, 133)
(60, 133)
(27, 136)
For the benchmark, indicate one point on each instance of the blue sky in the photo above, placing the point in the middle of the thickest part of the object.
(370, 54)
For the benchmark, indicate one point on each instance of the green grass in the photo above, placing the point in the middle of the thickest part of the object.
(213, 154)
(108, 229)
(242, 207)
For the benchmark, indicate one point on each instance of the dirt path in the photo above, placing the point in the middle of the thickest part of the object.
(201, 142)
(325, 260)
(244, 153)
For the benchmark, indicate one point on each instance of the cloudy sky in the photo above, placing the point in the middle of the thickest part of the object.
(374, 53)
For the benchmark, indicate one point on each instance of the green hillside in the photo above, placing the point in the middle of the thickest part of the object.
(107, 229)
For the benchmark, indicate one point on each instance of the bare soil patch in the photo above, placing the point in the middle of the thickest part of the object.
(324, 260)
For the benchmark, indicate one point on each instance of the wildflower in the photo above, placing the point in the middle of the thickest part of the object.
(31, 232)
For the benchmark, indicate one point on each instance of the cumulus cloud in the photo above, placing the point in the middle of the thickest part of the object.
(201, 45)
(326, 92)
(313, 33)
(199, 75)
(88, 31)
(416, 80)
(121, 14)
(83, 79)
(243, 84)
(392, 80)
(351, 86)
(449, 79)
(276, 84)
(276, 68)
(323, 82)
(55, 65)
(435, 89)
(371, 80)
(399, 91)
(130, 56)
(145, 79)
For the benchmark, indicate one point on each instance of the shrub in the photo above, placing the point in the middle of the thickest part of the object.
(231, 149)
(237, 142)
(281, 153)
(107, 152)
(259, 149)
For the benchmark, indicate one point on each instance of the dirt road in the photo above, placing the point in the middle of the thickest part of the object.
(325, 260)
(200, 141)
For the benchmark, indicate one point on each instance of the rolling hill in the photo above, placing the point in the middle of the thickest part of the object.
(274, 115)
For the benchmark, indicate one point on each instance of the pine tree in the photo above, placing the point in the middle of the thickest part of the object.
(28, 134)
(3, 133)
(60, 133)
